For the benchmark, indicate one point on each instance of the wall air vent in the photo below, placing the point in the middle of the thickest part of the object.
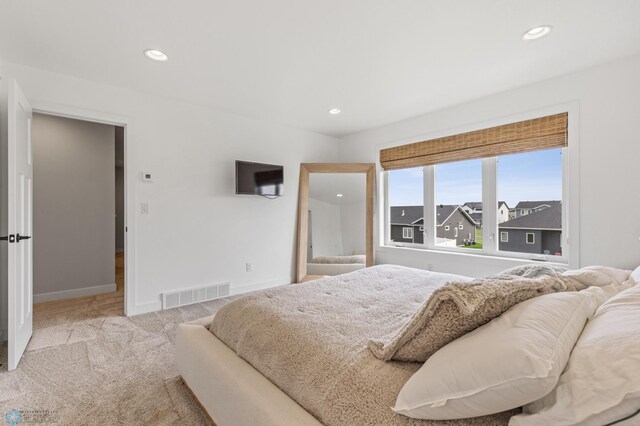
(188, 296)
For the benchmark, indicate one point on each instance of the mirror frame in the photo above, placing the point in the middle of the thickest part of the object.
(369, 169)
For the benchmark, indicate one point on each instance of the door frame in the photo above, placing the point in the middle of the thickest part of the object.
(129, 184)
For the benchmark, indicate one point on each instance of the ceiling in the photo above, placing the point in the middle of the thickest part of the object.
(289, 61)
(326, 187)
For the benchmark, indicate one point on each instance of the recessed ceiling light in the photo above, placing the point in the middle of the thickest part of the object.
(537, 32)
(338, 195)
(156, 55)
(334, 111)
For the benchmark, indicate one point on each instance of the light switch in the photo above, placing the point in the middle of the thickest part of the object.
(144, 207)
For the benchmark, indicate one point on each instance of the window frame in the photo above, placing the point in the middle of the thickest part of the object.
(491, 244)
(533, 238)
(506, 234)
(407, 230)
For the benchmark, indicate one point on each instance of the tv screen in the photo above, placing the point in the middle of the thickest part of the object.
(259, 179)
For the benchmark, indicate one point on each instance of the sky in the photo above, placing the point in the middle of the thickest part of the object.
(530, 176)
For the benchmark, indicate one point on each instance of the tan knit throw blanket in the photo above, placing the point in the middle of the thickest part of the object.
(458, 308)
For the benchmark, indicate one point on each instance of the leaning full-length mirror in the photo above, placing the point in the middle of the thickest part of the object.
(335, 219)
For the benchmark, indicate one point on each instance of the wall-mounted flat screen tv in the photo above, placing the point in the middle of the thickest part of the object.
(259, 179)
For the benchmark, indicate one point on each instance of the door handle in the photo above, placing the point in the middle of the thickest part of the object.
(10, 238)
(20, 237)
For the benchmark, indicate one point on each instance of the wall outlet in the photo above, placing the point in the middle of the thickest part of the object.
(144, 207)
(248, 266)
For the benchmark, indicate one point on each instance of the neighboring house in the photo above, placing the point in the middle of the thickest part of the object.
(407, 224)
(524, 208)
(535, 232)
(477, 218)
(503, 212)
(474, 209)
(452, 223)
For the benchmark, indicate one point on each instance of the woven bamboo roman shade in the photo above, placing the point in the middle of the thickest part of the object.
(530, 135)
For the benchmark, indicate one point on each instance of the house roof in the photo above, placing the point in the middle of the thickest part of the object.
(413, 215)
(443, 211)
(474, 204)
(406, 215)
(478, 204)
(534, 204)
(477, 217)
(550, 218)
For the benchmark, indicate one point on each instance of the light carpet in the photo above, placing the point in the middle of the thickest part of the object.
(105, 370)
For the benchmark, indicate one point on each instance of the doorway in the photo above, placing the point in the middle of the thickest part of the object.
(78, 218)
(16, 255)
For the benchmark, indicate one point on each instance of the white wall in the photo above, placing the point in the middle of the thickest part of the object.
(609, 137)
(73, 205)
(198, 231)
(353, 220)
(326, 229)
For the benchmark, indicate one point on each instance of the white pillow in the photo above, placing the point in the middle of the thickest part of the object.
(601, 383)
(635, 276)
(513, 360)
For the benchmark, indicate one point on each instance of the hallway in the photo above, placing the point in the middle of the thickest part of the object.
(83, 308)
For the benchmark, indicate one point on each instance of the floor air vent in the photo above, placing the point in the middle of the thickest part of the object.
(194, 295)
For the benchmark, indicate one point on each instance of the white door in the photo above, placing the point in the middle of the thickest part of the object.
(19, 221)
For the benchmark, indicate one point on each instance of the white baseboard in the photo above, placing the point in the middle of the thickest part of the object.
(77, 292)
(143, 308)
(246, 288)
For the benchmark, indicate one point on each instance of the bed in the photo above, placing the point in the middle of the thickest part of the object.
(302, 354)
(303, 359)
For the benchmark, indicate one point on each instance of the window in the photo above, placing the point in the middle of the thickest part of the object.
(407, 233)
(460, 174)
(534, 182)
(458, 184)
(405, 195)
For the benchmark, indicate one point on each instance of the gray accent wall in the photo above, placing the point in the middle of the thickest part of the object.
(74, 204)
